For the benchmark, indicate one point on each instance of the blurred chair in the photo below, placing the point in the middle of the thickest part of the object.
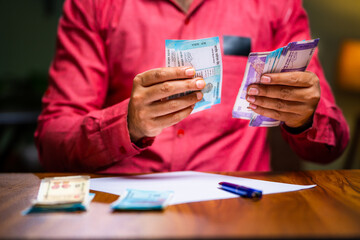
(349, 79)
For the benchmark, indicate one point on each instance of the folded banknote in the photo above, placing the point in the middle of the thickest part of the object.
(293, 57)
(204, 55)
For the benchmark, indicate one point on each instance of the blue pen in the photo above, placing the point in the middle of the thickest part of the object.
(241, 190)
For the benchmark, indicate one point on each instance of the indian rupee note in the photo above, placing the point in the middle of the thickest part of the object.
(253, 71)
(63, 190)
(133, 199)
(295, 56)
(204, 55)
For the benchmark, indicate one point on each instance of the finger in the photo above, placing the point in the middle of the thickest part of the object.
(159, 75)
(278, 104)
(173, 118)
(271, 113)
(174, 105)
(169, 88)
(296, 79)
(281, 92)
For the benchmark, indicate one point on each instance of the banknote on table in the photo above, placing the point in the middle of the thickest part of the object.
(133, 199)
(293, 57)
(204, 55)
(62, 194)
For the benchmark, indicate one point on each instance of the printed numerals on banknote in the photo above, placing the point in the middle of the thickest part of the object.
(293, 57)
(205, 56)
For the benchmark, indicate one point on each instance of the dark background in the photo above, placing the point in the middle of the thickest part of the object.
(27, 44)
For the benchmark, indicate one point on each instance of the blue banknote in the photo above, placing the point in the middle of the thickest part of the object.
(205, 56)
(133, 199)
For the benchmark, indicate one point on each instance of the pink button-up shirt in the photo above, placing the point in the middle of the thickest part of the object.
(102, 45)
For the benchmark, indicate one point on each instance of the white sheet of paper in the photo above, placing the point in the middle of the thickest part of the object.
(188, 186)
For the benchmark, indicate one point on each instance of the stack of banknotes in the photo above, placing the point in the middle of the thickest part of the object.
(294, 57)
(62, 194)
(205, 56)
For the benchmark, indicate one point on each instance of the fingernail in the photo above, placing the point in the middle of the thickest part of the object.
(265, 79)
(190, 72)
(251, 99)
(199, 95)
(253, 91)
(200, 83)
(252, 106)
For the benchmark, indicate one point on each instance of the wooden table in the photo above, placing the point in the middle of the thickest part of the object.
(330, 210)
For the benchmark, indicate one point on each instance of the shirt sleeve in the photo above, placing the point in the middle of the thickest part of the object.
(75, 132)
(328, 136)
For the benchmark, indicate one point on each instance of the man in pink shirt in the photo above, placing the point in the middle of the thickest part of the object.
(104, 109)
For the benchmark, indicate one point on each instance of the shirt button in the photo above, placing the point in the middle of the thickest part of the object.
(187, 20)
(180, 133)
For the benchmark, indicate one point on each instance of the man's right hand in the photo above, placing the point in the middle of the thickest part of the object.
(149, 110)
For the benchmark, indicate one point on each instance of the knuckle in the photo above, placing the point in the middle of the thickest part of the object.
(139, 79)
(312, 77)
(173, 104)
(317, 99)
(280, 104)
(307, 97)
(159, 74)
(285, 93)
(137, 99)
(294, 78)
(312, 96)
(166, 87)
(317, 95)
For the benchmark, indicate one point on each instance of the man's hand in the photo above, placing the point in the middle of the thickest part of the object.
(291, 97)
(149, 111)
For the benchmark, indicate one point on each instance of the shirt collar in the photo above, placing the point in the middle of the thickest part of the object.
(193, 7)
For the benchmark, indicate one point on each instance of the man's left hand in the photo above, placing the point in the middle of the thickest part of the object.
(291, 97)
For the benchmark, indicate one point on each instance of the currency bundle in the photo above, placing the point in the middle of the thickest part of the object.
(62, 194)
(293, 57)
(133, 199)
(204, 55)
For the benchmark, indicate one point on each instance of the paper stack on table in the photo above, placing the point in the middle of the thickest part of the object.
(62, 194)
(294, 57)
(205, 56)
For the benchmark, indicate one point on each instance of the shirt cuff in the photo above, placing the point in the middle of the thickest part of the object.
(301, 129)
(143, 143)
